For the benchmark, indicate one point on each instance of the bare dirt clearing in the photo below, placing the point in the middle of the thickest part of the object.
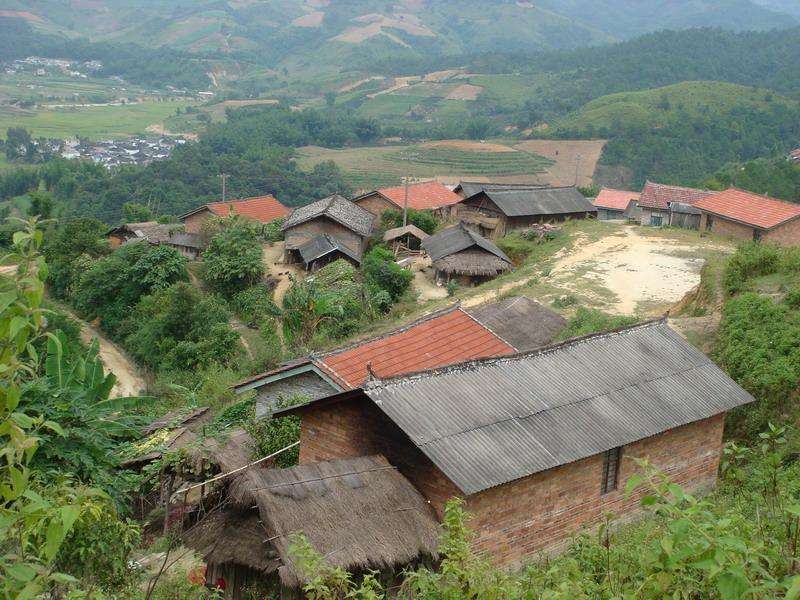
(465, 91)
(423, 281)
(468, 146)
(313, 19)
(630, 272)
(565, 153)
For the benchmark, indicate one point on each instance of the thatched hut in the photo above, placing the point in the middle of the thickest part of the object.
(461, 255)
(405, 241)
(360, 514)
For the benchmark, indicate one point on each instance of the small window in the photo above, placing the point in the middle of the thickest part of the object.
(611, 470)
(709, 222)
(656, 221)
(756, 235)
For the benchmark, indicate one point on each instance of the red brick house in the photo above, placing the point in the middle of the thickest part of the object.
(616, 204)
(428, 195)
(657, 200)
(539, 444)
(746, 215)
(263, 209)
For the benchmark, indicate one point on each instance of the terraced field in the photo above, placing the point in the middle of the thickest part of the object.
(372, 167)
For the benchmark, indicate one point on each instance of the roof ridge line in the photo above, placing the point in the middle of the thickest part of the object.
(380, 383)
(428, 317)
(242, 199)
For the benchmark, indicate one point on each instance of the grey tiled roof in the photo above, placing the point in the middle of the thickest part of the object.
(337, 208)
(542, 201)
(488, 422)
(455, 239)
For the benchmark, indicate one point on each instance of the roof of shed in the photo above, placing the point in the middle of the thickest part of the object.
(470, 188)
(749, 208)
(522, 322)
(396, 232)
(657, 195)
(540, 201)
(488, 422)
(615, 199)
(337, 208)
(457, 238)
(151, 231)
(188, 240)
(358, 513)
(262, 208)
(322, 245)
(427, 195)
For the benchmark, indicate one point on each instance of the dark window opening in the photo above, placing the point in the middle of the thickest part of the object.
(656, 221)
(756, 235)
(709, 222)
(611, 470)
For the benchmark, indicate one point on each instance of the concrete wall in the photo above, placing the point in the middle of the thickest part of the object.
(517, 520)
(307, 384)
(299, 234)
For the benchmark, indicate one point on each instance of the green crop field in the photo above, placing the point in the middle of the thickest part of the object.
(94, 122)
(372, 167)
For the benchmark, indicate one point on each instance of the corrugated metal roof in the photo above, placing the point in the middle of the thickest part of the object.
(455, 239)
(485, 423)
(522, 322)
(541, 201)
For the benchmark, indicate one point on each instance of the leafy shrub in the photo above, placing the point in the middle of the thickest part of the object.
(792, 299)
(565, 301)
(65, 245)
(232, 261)
(750, 260)
(452, 288)
(587, 320)
(383, 273)
(516, 247)
(273, 232)
(254, 304)
(424, 219)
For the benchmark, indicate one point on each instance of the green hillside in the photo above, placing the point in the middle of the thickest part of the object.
(659, 107)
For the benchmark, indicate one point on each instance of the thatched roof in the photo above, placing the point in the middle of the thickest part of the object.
(232, 537)
(473, 261)
(228, 450)
(179, 418)
(398, 232)
(358, 513)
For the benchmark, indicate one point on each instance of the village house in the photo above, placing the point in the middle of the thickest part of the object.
(450, 335)
(540, 445)
(461, 255)
(149, 231)
(347, 226)
(657, 200)
(361, 514)
(616, 204)
(263, 209)
(749, 216)
(494, 213)
(427, 195)
(465, 189)
(405, 241)
(190, 245)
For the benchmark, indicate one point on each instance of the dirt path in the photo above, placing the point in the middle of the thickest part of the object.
(423, 281)
(643, 274)
(272, 256)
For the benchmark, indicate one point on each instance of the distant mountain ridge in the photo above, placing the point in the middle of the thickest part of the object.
(279, 30)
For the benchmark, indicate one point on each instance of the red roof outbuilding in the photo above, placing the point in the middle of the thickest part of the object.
(615, 199)
(263, 208)
(427, 195)
(659, 196)
(748, 208)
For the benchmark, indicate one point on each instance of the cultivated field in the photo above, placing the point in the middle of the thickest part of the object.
(94, 122)
(541, 161)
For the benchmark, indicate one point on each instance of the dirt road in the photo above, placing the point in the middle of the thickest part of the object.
(272, 256)
(129, 379)
(644, 274)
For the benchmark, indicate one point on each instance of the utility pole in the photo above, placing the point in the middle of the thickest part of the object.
(224, 177)
(577, 167)
(405, 202)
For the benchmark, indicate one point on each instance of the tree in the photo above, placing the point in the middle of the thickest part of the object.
(18, 144)
(136, 213)
(383, 273)
(232, 261)
(41, 204)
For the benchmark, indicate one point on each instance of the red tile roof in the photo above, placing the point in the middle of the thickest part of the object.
(422, 196)
(795, 154)
(749, 208)
(615, 199)
(656, 195)
(445, 339)
(263, 208)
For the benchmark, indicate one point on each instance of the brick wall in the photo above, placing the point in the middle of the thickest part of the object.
(357, 428)
(725, 227)
(541, 512)
(376, 204)
(787, 234)
(194, 223)
(298, 235)
(522, 518)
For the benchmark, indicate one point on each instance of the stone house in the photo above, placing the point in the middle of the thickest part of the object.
(540, 445)
(263, 209)
(740, 214)
(427, 195)
(656, 203)
(338, 218)
(494, 213)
